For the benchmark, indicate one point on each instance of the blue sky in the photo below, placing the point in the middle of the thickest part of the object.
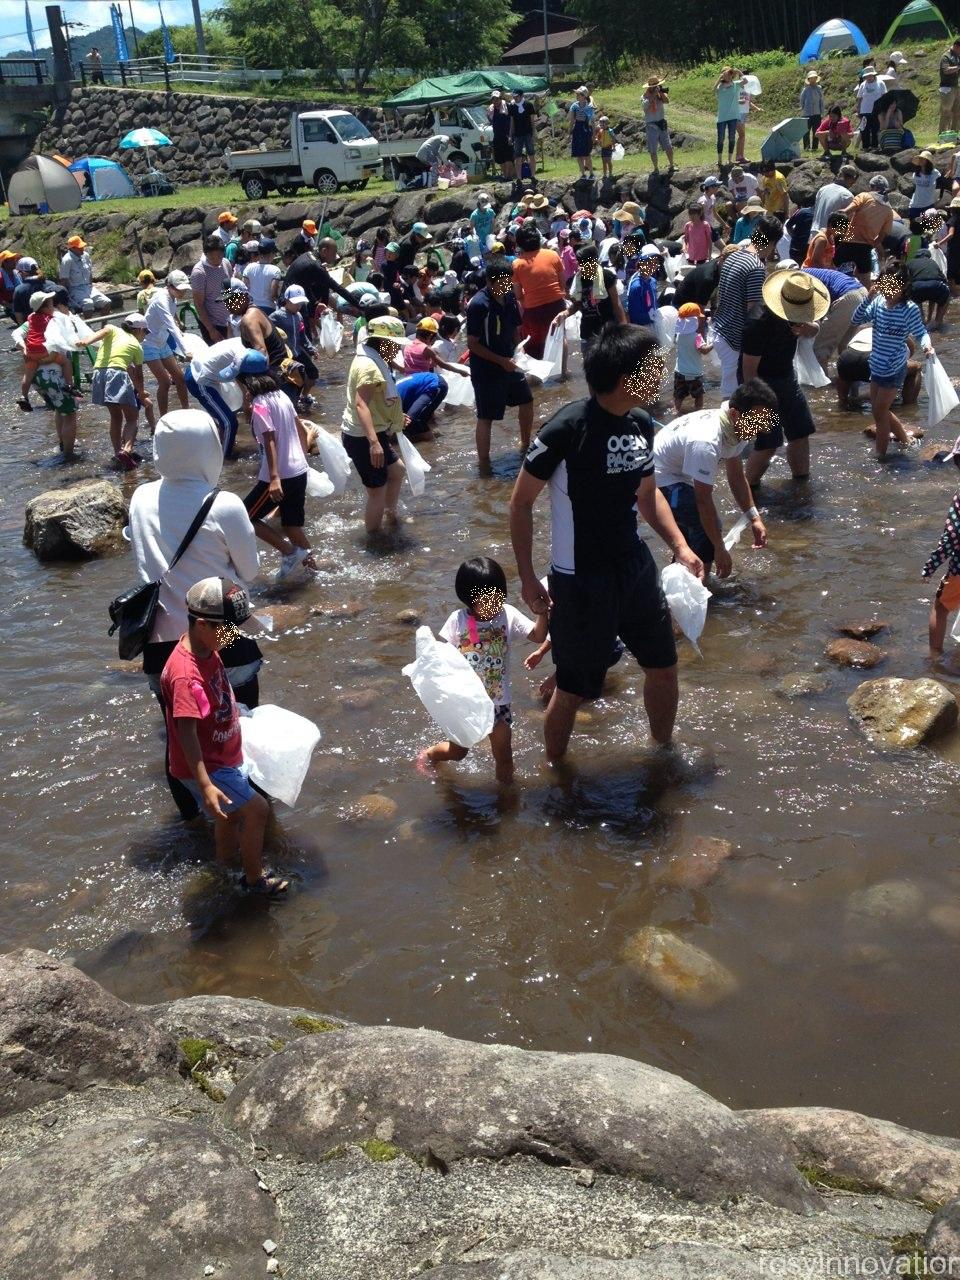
(95, 13)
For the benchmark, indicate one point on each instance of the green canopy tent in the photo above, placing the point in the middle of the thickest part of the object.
(920, 20)
(470, 86)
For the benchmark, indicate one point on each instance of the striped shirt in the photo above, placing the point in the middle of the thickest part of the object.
(891, 325)
(739, 295)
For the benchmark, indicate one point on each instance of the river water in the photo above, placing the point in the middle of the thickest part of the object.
(505, 919)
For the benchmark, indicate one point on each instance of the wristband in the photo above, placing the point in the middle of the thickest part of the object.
(753, 513)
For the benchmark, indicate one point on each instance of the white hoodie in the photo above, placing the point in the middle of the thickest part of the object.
(189, 456)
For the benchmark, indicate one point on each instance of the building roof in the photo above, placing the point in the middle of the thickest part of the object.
(556, 40)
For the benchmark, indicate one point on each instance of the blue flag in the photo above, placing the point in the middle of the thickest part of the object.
(118, 34)
(168, 53)
(33, 43)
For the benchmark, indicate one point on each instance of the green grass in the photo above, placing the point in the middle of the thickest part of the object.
(378, 1151)
(314, 1026)
(195, 1050)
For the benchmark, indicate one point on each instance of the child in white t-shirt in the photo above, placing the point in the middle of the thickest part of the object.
(483, 632)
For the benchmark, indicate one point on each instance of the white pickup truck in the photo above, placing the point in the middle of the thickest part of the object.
(328, 150)
(467, 128)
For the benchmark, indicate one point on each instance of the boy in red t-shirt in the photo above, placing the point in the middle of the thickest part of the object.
(35, 351)
(203, 730)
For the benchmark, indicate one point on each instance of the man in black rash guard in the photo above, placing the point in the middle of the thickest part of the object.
(596, 456)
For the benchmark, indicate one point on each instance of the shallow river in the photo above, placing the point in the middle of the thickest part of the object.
(506, 920)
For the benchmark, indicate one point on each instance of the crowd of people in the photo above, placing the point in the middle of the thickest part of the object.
(505, 301)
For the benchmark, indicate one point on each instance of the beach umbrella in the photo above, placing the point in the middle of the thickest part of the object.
(145, 138)
(908, 103)
(783, 140)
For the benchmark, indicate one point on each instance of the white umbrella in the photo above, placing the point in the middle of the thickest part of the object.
(145, 138)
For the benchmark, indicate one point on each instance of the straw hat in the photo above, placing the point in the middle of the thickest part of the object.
(812, 77)
(539, 201)
(752, 206)
(629, 211)
(796, 296)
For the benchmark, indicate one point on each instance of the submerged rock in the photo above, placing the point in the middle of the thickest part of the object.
(76, 522)
(488, 1100)
(891, 902)
(869, 1154)
(677, 969)
(149, 1199)
(862, 628)
(59, 1031)
(903, 713)
(801, 684)
(373, 807)
(854, 653)
(699, 861)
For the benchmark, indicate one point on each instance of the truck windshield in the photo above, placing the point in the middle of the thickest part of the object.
(477, 116)
(349, 128)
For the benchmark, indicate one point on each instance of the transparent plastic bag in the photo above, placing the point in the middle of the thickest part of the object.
(417, 466)
(232, 395)
(687, 598)
(460, 394)
(941, 393)
(665, 326)
(335, 459)
(732, 536)
(571, 327)
(712, 364)
(618, 151)
(193, 345)
(538, 369)
(277, 746)
(60, 336)
(807, 367)
(331, 333)
(319, 484)
(553, 349)
(450, 689)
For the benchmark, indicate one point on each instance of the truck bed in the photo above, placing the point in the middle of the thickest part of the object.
(252, 158)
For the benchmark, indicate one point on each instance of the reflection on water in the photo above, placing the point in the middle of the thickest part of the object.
(505, 917)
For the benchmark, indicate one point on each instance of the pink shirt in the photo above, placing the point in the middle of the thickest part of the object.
(699, 240)
(274, 412)
(415, 358)
(568, 259)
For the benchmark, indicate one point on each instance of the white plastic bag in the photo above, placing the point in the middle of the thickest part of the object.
(671, 267)
(571, 327)
(941, 394)
(553, 349)
(319, 484)
(618, 151)
(538, 369)
(665, 326)
(807, 367)
(450, 689)
(940, 258)
(331, 333)
(687, 598)
(335, 459)
(60, 336)
(460, 394)
(193, 345)
(277, 746)
(417, 466)
(232, 395)
(732, 536)
(712, 366)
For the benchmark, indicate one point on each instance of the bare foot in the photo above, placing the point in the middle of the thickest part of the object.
(423, 764)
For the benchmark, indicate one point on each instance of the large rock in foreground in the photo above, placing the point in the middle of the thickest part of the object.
(76, 522)
(873, 1154)
(155, 1199)
(903, 713)
(421, 1088)
(942, 1241)
(60, 1031)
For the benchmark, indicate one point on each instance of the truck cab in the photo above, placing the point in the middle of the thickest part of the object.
(328, 150)
(471, 128)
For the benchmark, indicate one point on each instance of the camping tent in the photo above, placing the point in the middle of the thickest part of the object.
(920, 20)
(838, 33)
(41, 185)
(108, 180)
(471, 86)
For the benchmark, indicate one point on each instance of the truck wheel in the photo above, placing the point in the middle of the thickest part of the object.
(460, 158)
(254, 187)
(325, 181)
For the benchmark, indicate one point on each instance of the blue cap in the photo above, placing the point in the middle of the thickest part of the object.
(252, 362)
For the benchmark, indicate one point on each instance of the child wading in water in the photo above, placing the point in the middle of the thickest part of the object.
(203, 728)
(947, 599)
(483, 632)
(35, 351)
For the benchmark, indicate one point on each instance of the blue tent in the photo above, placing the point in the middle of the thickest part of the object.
(107, 180)
(838, 33)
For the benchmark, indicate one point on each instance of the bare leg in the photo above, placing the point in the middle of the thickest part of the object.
(253, 817)
(937, 626)
(661, 693)
(483, 444)
(172, 367)
(441, 753)
(373, 512)
(501, 744)
(798, 458)
(395, 475)
(163, 378)
(116, 419)
(226, 837)
(525, 415)
(129, 434)
(67, 431)
(558, 722)
(757, 465)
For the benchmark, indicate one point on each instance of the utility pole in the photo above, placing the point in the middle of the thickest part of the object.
(198, 25)
(546, 44)
(133, 28)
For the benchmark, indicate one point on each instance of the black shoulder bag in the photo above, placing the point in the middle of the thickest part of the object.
(133, 612)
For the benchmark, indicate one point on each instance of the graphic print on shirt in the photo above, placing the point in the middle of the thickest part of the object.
(487, 654)
(223, 709)
(625, 453)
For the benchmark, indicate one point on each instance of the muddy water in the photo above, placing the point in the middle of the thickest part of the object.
(505, 919)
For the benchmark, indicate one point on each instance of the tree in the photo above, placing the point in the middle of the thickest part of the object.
(368, 35)
(184, 40)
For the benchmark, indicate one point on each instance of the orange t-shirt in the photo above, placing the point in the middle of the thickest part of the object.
(870, 218)
(540, 277)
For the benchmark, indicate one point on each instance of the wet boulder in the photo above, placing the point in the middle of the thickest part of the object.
(147, 1199)
(492, 1101)
(698, 862)
(854, 653)
(942, 1241)
(903, 713)
(76, 522)
(677, 969)
(61, 1031)
(872, 1154)
(801, 684)
(888, 904)
(861, 628)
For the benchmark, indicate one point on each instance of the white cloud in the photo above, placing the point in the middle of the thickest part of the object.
(95, 14)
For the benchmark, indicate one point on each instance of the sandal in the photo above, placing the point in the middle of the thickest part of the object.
(24, 404)
(266, 886)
